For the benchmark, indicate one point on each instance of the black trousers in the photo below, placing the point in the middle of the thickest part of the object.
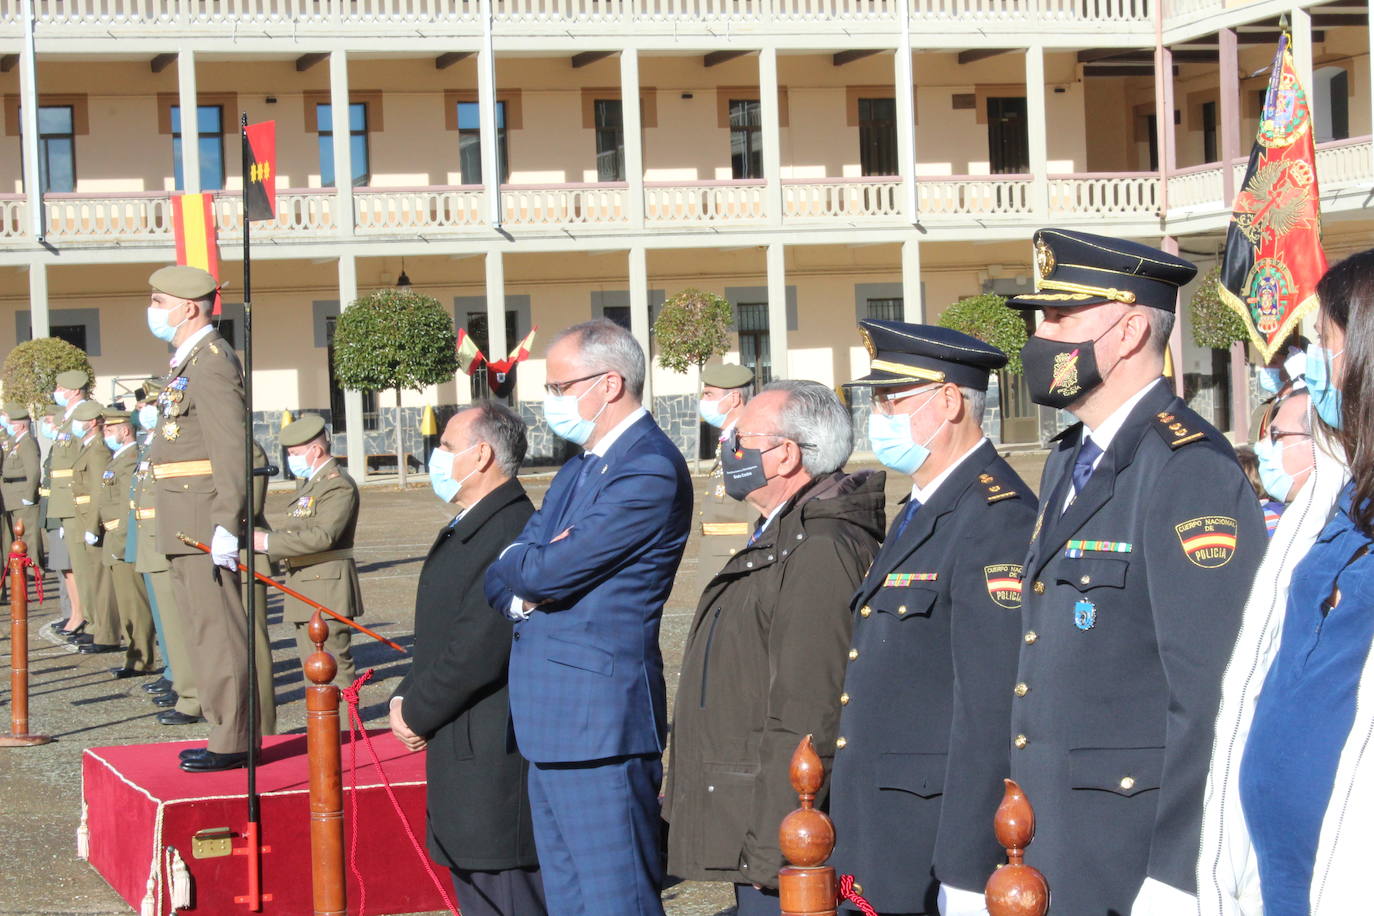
(509, 892)
(750, 901)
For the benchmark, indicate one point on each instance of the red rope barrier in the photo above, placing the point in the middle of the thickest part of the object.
(37, 576)
(355, 728)
(847, 892)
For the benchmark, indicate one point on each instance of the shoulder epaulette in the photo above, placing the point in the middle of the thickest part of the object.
(1178, 428)
(995, 490)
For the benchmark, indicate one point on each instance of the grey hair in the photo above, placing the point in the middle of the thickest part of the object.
(604, 346)
(1161, 326)
(501, 428)
(813, 417)
(977, 402)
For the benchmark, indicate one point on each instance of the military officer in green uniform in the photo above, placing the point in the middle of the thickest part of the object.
(131, 596)
(84, 531)
(20, 477)
(724, 523)
(69, 390)
(316, 546)
(200, 484)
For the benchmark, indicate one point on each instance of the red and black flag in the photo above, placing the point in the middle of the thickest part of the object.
(260, 195)
(501, 373)
(1274, 254)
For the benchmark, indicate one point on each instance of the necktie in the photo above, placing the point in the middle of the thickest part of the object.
(758, 532)
(1088, 453)
(908, 513)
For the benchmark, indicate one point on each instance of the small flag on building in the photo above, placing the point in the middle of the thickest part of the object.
(501, 374)
(260, 196)
(193, 227)
(469, 357)
(1274, 255)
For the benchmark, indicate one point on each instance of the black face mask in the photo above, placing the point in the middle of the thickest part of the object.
(1058, 374)
(743, 469)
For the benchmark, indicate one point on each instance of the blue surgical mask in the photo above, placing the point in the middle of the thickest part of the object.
(114, 443)
(1326, 397)
(9, 430)
(79, 429)
(60, 398)
(560, 411)
(159, 324)
(890, 436)
(710, 412)
(299, 466)
(147, 416)
(441, 473)
(47, 430)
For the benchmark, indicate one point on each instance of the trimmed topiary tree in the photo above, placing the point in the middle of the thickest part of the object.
(987, 318)
(692, 327)
(394, 339)
(31, 368)
(1214, 323)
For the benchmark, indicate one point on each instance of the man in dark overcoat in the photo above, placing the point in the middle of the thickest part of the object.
(454, 699)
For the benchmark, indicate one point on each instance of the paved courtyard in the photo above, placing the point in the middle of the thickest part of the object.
(74, 699)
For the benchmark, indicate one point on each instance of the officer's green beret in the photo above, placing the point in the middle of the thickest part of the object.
(301, 431)
(86, 410)
(74, 379)
(727, 375)
(184, 282)
(151, 387)
(49, 409)
(16, 411)
(112, 416)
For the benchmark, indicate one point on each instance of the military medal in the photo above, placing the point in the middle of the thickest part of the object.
(1075, 548)
(304, 506)
(170, 430)
(902, 580)
(1084, 614)
(107, 478)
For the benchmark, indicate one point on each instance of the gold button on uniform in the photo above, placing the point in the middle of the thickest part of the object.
(1021, 741)
(840, 742)
(865, 611)
(1039, 587)
(853, 654)
(901, 611)
(1086, 579)
(1030, 637)
(1022, 689)
(844, 699)
(1127, 783)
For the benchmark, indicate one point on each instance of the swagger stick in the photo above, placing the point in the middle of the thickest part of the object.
(254, 850)
(267, 580)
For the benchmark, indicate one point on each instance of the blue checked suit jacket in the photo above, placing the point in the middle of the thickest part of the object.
(586, 674)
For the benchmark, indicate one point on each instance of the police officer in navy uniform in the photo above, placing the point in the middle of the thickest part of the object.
(937, 622)
(1147, 540)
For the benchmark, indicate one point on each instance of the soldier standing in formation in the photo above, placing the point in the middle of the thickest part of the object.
(83, 529)
(20, 477)
(316, 546)
(1141, 558)
(937, 621)
(725, 522)
(131, 595)
(69, 389)
(200, 482)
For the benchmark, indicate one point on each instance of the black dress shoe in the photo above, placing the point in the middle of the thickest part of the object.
(172, 717)
(191, 753)
(165, 700)
(61, 625)
(161, 685)
(95, 648)
(80, 639)
(123, 673)
(210, 762)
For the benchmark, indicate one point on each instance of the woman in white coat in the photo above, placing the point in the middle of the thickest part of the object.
(1292, 778)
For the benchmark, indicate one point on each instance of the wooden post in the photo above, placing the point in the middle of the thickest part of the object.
(326, 779)
(1016, 889)
(806, 887)
(19, 647)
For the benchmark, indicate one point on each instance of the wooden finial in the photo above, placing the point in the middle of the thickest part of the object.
(19, 546)
(1016, 889)
(320, 667)
(16, 567)
(806, 838)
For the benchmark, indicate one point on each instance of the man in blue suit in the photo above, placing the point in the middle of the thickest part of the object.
(586, 582)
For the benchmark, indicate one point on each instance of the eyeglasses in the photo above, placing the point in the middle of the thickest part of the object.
(883, 400)
(733, 442)
(1271, 432)
(558, 388)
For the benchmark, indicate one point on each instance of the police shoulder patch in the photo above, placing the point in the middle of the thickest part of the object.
(1208, 541)
(1004, 584)
(996, 491)
(1178, 428)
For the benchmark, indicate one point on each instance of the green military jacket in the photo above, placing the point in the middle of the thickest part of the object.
(197, 458)
(316, 546)
(87, 473)
(21, 473)
(61, 458)
(114, 503)
(143, 516)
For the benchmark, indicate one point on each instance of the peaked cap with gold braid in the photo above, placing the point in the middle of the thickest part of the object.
(907, 354)
(1076, 268)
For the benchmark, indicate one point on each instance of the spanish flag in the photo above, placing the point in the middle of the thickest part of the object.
(501, 373)
(193, 224)
(260, 194)
(469, 357)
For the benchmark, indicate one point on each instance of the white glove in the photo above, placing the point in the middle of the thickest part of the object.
(27, 502)
(1159, 899)
(224, 549)
(61, 531)
(956, 902)
(91, 539)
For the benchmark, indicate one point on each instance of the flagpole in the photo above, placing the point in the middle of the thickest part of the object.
(254, 851)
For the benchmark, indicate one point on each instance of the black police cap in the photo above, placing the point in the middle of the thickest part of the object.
(907, 354)
(1078, 268)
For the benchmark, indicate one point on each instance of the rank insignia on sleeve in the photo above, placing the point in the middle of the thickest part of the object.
(1209, 541)
(1004, 584)
(994, 489)
(1174, 431)
(902, 580)
(1084, 614)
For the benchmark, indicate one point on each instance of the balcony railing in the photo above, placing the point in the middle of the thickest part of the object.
(1345, 172)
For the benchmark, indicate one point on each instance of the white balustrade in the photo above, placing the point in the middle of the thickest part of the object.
(1135, 194)
(1196, 188)
(853, 198)
(707, 202)
(98, 217)
(301, 213)
(975, 196)
(563, 204)
(400, 210)
(14, 215)
(1343, 162)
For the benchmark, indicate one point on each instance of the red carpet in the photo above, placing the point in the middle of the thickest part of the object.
(138, 805)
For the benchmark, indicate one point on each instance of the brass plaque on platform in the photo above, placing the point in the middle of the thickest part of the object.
(212, 843)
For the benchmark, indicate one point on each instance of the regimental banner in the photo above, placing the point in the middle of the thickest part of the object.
(260, 197)
(1274, 256)
(501, 372)
(193, 227)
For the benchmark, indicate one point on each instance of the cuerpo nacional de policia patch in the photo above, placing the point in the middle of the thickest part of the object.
(1004, 584)
(1209, 541)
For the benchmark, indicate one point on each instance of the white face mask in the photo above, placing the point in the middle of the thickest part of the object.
(441, 473)
(159, 323)
(560, 412)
